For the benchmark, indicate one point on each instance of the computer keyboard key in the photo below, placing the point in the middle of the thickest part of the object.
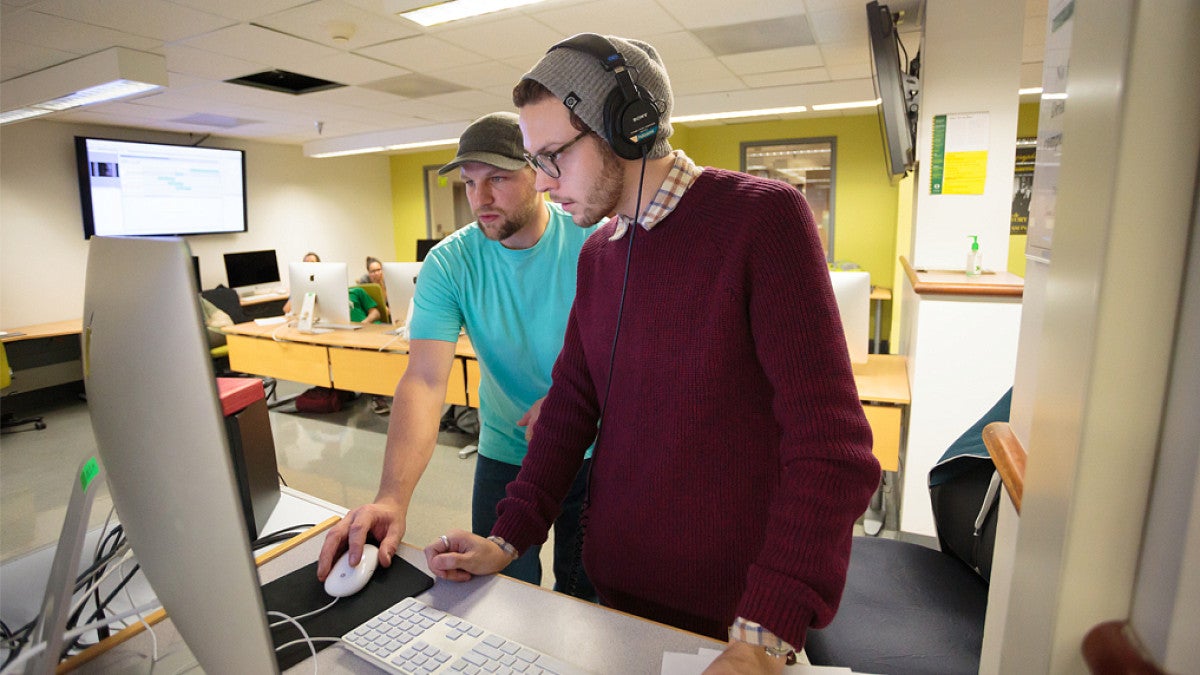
(433, 642)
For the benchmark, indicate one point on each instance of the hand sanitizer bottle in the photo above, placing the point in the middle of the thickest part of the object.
(974, 258)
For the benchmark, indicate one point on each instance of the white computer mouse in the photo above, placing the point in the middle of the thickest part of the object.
(345, 580)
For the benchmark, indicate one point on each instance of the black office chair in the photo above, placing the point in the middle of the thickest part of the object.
(909, 609)
(228, 301)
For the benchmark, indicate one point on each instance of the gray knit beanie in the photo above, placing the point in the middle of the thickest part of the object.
(569, 72)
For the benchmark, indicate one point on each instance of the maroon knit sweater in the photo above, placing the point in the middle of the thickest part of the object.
(734, 456)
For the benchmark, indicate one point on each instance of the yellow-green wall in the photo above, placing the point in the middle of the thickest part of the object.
(865, 201)
(408, 198)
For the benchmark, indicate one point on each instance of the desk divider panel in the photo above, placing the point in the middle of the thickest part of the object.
(283, 360)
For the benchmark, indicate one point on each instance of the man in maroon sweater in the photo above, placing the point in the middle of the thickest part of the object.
(733, 456)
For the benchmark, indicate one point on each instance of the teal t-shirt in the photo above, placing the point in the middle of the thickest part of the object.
(514, 305)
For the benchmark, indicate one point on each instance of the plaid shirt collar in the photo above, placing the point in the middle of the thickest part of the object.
(681, 176)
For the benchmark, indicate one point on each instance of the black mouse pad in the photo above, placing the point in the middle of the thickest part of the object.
(299, 593)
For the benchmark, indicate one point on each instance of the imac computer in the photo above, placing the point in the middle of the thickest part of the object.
(853, 293)
(400, 279)
(320, 295)
(161, 438)
(253, 272)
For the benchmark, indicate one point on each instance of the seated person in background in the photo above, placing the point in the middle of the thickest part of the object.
(374, 273)
(362, 308)
(380, 405)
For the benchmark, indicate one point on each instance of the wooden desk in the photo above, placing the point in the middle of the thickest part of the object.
(43, 355)
(597, 639)
(366, 360)
(883, 389)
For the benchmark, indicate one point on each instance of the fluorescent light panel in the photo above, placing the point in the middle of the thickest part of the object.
(454, 10)
(104, 76)
(738, 114)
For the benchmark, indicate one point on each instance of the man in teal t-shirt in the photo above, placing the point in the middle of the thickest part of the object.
(509, 279)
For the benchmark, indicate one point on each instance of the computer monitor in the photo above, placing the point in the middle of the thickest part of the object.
(161, 437)
(330, 283)
(251, 270)
(853, 293)
(423, 246)
(400, 279)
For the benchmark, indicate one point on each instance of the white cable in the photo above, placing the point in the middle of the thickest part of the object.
(304, 616)
(311, 647)
(142, 620)
(86, 593)
(23, 657)
(293, 643)
(74, 633)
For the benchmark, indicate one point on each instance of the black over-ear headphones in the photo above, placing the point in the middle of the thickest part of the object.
(631, 120)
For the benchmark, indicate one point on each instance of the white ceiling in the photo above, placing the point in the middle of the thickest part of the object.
(208, 41)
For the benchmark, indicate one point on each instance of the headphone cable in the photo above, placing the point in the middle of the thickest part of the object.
(612, 358)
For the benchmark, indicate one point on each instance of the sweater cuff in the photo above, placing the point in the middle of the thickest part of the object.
(781, 604)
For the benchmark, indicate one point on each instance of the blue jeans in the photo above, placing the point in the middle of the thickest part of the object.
(491, 477)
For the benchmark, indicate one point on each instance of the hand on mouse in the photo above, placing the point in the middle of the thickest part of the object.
(459, 556)
(383, 520)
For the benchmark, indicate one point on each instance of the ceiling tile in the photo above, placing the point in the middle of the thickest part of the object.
(207, 64)
(505, 38)
(163, 21)
(19, 58)
(65, 35)
(348, 68)
(839, 25)
(679, 46)
(481, 75)
(638, 19)
(260, 45)
(698, 69)
(846, 53)
(693, 14)
(757, 36)
(773, 60)
(241, 9)
(787, 77)
(423, 52)
(319, 21)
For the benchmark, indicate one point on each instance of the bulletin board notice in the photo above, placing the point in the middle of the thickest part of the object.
(959, 157)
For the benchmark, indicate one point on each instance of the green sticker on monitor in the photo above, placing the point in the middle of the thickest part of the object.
(90, 469)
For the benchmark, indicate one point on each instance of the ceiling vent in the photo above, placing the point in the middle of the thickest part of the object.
(285, 82)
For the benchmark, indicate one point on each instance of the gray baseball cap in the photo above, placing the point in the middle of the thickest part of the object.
(493, 139)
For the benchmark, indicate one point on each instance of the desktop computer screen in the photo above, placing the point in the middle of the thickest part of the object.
(161, 437)
(330, 283)
(853, 293)
(400, 279)
(251, 268)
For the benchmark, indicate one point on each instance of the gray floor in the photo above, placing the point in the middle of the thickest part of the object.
(335, 456)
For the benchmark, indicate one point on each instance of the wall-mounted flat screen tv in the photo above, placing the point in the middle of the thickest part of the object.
(895, 90)
(143, 189)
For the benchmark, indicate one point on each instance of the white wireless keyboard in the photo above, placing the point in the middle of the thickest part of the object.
(413, 638)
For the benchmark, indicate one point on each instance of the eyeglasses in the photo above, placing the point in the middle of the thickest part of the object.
(546, 161)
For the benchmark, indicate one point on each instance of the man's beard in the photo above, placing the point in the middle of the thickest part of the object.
(605, 194)
(511, 223)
